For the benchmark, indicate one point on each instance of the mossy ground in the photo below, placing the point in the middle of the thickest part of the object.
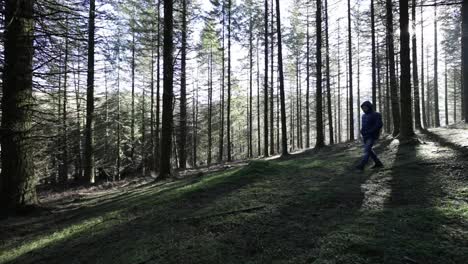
(309, 208)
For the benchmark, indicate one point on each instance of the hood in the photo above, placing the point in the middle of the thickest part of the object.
(369, 105)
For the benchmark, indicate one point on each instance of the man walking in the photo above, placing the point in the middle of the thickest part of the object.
(371, 126)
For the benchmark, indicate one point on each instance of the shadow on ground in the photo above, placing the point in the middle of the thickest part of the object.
(311, 208)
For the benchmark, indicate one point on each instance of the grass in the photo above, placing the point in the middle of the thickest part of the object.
(310, 208)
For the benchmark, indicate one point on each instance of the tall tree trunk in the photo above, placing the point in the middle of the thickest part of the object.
(465, 61)
(423, 95)
(223, 77)
(210, 105)
(17, 182)
(250, 154)
(183, 92)
(327, 62)
(391, 60)
(373, 55)
(417, 110)
(89, 135)
(168, 58)
(350, 61)
(358, 99)
(446, 95)
(387, 118)
(229, 151)
(119, 123)
(132, 121)
(79, 158)
(454, 96)
(152, 162)
(436, 75)
(259, 137)
(406, 124)
(308, 81)
(320, 141)
(195, 126)
(64, 170)
(339, 86)
(265, 103)
(157, 139)
(272, 98)
(284, 139)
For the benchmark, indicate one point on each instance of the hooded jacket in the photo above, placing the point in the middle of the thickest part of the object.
(371, 122)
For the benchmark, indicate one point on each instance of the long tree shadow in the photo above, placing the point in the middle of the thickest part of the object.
(306, 210)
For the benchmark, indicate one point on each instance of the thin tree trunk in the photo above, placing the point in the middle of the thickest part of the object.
(319, 115)
(284, 139)
(272, 130)
(157, 146)
(417, 110)
(183, 92)
(423, 95)
(250, 154)
(64, 170)
(119, 123)
(465, 61)
(265, 103)
(89, 135)
(308, 81)
(229, 151)
(436, 75)
(17, 182)
(339, 87)
(223, 77)
(132, 124)
(374, 84)
(406, 125)
(168, 49)
(393, 80)
(327, 61)
(259, 143)
(350, 69)
(210, 104)
(446, 95)
(79, 159)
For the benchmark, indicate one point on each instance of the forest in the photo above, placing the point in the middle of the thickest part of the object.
(237, 131)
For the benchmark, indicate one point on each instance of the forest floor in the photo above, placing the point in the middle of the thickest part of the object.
(312, 207)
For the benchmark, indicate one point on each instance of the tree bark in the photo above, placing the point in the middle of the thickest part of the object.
(308, 81)
(327, 61)
(465, 60)
(436, 75)
(406, 124)
(265, 103)
(373, 55)
(183, 92)
(168, 58)
(284, 139)
(423, 95)
(229, 151)
(319, 110)
(350, 69)
(89, 135)
(17, 181)
(417, 109)
(391, 61)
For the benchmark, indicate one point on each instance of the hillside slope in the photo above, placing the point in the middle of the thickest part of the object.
(310, 208)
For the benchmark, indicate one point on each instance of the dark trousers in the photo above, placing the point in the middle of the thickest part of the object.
(369, 152)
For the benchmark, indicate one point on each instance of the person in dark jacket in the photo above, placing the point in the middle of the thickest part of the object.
(370, 131)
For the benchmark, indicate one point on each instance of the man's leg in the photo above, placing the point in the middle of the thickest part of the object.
(374, 157)
(367, 153)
